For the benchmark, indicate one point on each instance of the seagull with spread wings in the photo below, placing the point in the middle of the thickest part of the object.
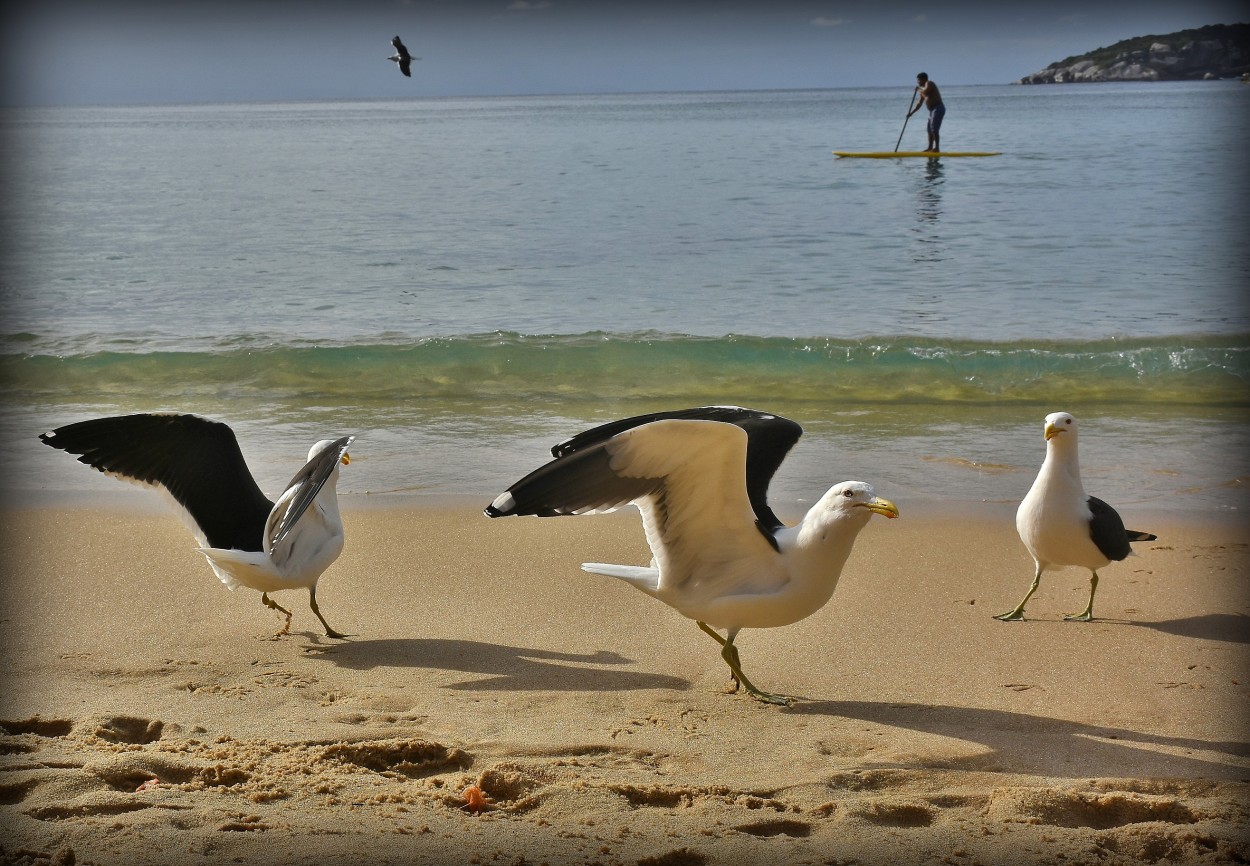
(402, 57)
(700, 478)
(247, 539)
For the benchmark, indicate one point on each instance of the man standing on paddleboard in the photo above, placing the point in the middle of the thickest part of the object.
(931, 98)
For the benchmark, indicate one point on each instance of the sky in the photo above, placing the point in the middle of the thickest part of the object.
(92, 52)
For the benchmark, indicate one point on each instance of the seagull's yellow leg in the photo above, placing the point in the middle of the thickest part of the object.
(273, 605)
(1017, 613)
(312, 602)
(729, 653)
(1087, 614)
(720, 640)
(707, 628)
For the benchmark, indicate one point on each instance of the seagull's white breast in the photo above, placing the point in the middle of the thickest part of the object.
(299, 560)
(1053, 521)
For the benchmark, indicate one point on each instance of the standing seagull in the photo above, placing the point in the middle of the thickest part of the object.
(248, 540)
(700, 478)
(1061, 525)
(402, 57)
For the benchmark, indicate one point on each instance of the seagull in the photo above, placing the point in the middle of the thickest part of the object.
(248, 540)
(1062, 525)
(402, 57)
(700, 478)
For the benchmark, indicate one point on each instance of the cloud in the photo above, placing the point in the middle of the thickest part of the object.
(822, 21)
(528, 5)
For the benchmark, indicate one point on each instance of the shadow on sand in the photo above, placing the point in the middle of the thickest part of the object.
(505, 667)
(1229, 627)
(1031, 744)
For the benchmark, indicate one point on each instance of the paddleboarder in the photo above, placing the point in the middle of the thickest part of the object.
(931, 98)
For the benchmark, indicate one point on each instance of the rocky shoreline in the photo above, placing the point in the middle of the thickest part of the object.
(1213, 52)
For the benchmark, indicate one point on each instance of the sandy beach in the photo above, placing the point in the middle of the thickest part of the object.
(149, 716)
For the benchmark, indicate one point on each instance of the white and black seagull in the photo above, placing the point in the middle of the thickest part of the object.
(248, 540)
(1061, 525)
(402, 57)
(700, 478)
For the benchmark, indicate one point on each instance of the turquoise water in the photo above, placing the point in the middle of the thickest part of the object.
(462, 283)
(375, 378)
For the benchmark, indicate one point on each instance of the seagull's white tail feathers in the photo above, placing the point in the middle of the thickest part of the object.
(237, 568)
(646, 579)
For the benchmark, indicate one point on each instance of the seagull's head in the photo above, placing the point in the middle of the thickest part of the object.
(326, 444)
(1060, 424)
(855, 499)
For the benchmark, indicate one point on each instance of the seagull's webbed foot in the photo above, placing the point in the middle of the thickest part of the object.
(1087, 614)
(729, 653)
(740, 677)
(312, 602)
(1016, 614)
(770, 698)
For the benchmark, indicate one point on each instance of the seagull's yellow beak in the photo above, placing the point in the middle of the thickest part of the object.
(345, 459)
(1052, 431)
(883, 507)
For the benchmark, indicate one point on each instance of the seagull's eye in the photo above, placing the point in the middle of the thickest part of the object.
(848, 493)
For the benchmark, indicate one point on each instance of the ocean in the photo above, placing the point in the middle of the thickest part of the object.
(461, 283)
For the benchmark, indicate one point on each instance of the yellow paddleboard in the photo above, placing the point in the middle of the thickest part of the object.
(894, 154)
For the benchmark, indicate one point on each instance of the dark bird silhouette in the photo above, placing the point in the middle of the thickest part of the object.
(402, 57)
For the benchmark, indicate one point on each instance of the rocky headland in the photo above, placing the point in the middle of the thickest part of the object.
(1212, 52)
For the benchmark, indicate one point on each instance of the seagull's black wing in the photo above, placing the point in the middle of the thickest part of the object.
(577, 483)
(402, 57)
(1107, 531)
(580, 479)
(769, 439)
(307, 483)
(196, 460)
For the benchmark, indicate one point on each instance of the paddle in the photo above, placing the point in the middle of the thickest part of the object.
(910, 103)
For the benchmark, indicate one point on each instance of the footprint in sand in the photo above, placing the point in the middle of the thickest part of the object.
(37, 726)
(764, 829)
(128, 729)
(1098, 811)
(405, 757)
